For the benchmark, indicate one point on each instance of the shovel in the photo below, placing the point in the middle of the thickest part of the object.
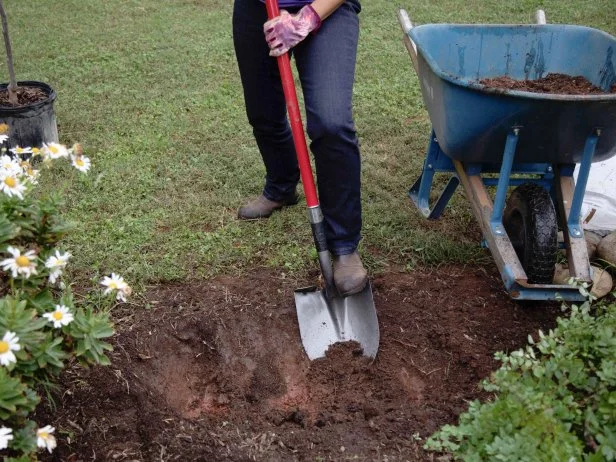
(324, 317)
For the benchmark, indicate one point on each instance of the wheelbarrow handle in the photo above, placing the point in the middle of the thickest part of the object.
(295, 118)
(540, 17)
(407, 25)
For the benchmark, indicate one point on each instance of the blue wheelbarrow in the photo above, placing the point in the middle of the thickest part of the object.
(485, 137)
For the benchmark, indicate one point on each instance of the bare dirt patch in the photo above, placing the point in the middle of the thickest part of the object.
(216, 371)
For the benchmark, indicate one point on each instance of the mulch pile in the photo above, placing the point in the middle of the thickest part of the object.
(560, 84)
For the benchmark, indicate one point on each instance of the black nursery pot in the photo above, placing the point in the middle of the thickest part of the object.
(33, 124)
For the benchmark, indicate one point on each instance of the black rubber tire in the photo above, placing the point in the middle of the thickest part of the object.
(530, 221)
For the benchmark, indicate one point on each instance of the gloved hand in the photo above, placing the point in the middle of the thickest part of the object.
(287, 30)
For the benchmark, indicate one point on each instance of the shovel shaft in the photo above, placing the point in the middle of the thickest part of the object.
(295, 118)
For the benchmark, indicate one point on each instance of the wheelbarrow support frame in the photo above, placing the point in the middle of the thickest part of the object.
(556, 179)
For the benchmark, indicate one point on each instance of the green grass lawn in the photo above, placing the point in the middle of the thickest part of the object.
(151, 89)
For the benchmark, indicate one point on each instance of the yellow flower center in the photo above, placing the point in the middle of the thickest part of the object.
(57, 315)
(79, 161)
(22, 261)
(19, 150)
(36, 151)
(4, 347)
(113, 285)
(3, 129)
(10, 182)
(43, 435)
(54, 149)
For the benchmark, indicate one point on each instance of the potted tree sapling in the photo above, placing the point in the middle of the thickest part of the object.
(26, 107)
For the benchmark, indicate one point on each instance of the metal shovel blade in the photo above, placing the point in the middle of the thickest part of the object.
(323, 321)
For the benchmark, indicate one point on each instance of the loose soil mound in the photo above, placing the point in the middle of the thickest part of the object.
(561, 84)
(216, 371)
(25, 96)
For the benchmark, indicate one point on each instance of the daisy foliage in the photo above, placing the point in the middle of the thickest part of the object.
(43, 326)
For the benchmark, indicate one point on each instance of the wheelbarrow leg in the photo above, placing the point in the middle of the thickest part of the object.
(569, 202)
(436, 161)
(573, 221)
(496, 220)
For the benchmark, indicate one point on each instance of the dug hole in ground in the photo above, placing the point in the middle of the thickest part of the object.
(216, 371)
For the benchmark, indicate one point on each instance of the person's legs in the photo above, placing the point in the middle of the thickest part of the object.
(265, 106)
(326, 64)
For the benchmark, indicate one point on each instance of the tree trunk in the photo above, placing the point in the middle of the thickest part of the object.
(12, 88)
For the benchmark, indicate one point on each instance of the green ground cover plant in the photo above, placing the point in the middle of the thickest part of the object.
(553, 400)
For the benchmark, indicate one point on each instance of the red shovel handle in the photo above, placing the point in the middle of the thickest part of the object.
(295, 117)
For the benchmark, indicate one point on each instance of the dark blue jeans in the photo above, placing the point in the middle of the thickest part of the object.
(326, 66)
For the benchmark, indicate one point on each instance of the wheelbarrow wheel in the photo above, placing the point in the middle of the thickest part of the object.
(530, 222)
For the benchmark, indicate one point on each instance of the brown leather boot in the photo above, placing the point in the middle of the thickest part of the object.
(350, 276)
(261, 207)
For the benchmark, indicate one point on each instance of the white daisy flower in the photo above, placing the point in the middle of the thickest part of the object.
(81, 163)
(18, 150)
(20, 264)
(6, 435)
(117, 283)
(62, 316)
(3, 138)
(56, 263)
(8, 344)
(45, 439)
(54, 150)
(11, 185)
(10, 165)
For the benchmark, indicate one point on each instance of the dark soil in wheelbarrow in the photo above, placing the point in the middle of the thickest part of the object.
(215, 370)
(552, 83)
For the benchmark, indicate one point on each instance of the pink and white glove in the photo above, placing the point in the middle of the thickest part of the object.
(287, 30)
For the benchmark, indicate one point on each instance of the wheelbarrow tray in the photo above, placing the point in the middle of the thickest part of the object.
(471, 121)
